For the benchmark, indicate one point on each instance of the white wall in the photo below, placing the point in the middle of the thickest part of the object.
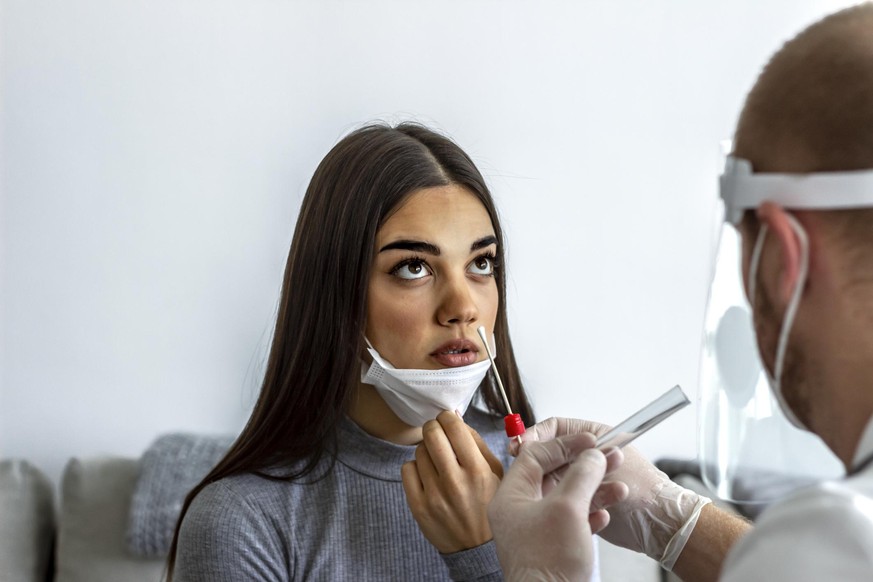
(154, 154)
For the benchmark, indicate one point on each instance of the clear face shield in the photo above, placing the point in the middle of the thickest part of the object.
(749, 451)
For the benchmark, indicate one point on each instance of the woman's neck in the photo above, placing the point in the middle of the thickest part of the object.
(370, 412)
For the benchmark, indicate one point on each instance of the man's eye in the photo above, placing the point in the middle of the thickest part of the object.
(410, 270)
(482, 266)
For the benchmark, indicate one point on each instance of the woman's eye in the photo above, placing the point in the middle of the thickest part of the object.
(482, 266)
(411, 270)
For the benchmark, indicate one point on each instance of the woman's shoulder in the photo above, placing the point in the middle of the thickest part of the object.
(231, 499)
(248, 492)
(231, 522)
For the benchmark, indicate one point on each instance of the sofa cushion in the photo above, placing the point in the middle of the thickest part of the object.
(27, 522)
(169, 469)
(95, 503)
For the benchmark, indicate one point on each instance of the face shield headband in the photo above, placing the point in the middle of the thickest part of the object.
(750, 452)
(741, 189)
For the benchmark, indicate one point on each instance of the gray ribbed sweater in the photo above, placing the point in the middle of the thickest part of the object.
(353, 524)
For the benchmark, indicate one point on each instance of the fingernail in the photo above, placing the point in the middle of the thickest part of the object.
(458, 412)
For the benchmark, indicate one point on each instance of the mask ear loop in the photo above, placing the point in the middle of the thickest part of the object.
(794, 303)
(790, 311)
(365, 356)
(753, 264)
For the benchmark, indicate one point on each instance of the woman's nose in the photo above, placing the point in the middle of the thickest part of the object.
(457, 305)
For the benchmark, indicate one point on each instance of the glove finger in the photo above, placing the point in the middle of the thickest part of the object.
(583, 476)
(614, 459)
(556, 427)
(539, 459)
(609, 493)
(541, 431)
(598, 520)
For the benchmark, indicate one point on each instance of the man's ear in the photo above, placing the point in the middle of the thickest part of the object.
(788, 246)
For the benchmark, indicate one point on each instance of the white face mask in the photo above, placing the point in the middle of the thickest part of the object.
(775, 379)
(417, 396)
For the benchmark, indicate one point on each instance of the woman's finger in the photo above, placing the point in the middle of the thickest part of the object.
(493, 461)
(439, 449)
(427, 472)
(464, 446)
(412, 484)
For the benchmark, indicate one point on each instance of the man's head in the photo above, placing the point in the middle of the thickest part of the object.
(811, 110)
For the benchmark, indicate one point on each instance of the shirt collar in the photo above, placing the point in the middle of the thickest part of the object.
(864, 450)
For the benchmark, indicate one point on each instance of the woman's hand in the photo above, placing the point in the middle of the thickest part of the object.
(450, 483)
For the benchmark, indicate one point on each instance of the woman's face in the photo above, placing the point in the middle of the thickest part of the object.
(432, 281)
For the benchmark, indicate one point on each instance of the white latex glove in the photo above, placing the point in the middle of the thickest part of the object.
(548, 536)
(657, 517)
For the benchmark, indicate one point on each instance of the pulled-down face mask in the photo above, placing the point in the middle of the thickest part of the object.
(753, 448)
(417, 396)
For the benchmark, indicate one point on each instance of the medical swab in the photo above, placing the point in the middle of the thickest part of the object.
(512, 423)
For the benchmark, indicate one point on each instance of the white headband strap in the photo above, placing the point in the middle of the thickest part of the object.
(741, 189)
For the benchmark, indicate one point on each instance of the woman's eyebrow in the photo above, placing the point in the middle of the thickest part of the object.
(412, 245)
(432, 249)
(483, 242)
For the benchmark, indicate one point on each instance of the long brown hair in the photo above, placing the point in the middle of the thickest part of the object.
(314, 363)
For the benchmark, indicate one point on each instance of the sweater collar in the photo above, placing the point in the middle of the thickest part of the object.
(369, 455)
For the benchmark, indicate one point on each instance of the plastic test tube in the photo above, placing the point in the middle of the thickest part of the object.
(636, 424)
(644, 419)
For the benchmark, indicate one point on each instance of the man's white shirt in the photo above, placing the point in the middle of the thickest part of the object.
(820, 533)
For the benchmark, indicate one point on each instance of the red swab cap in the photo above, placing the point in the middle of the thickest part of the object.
(512, 422)
(514, 425)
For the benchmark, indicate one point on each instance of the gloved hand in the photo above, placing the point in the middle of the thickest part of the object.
(657, 517)
(547, 536)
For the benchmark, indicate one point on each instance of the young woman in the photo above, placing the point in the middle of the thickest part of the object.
(395, 262)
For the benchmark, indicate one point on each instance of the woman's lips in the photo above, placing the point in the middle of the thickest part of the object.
(456, 353)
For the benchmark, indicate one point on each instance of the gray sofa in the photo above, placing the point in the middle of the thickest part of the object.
(84, 533)
(112, 519)
(79, 539)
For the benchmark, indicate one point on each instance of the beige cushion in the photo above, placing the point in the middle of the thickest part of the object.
(26, 522)
(95, 504)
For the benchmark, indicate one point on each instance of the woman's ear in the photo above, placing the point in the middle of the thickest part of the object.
(789, 246)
